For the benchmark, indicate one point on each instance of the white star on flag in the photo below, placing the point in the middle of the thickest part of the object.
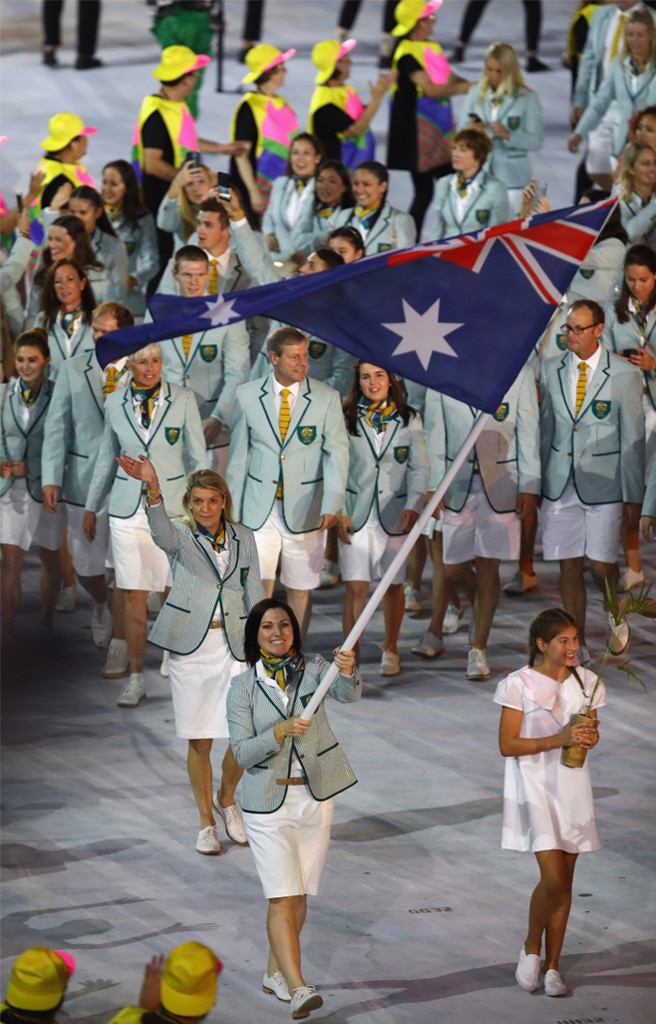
(220, 312)
(423, 334)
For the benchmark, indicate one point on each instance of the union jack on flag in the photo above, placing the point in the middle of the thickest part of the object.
(460, 315)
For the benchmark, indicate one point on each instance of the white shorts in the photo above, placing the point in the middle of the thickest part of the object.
(477, 531)
(599, 144)
(88, 559)
(571, 529)
(370, 553)
(301, 554)
(24, 521)
(138, 563)
(199, 687)
(290, 845)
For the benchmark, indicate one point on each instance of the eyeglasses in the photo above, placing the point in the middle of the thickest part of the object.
(578, 331)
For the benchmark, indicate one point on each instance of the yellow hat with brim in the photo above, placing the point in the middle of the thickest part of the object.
(408, 12)
(178, 61)
(189, 979)
(39, 978)
(264, 57)
(63, 129)
(325, 56)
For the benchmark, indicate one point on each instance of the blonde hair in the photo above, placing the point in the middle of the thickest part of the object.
(134, 357)
(210, 480)
(512, 79)
(644, 17)
(627, 163)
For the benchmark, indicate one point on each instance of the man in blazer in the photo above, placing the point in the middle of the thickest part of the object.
(74, 430)
(212, 363)
(213, 237)
(493, 491)
(593, 459)
(287, 482)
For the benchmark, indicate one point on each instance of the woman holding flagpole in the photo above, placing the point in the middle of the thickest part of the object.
(293, 769)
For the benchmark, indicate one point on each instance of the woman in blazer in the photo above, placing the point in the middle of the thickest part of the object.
(637, 177)
(23, 520)
(291, 203)
(471, 198)
(216, 582)
(381, 226)
(129, 216)
(385, 492)
(160, 420)
(293, 769)
(66, 307)
(333, 205)
(502, 106)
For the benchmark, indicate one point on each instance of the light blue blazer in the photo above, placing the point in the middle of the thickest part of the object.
(392, 481)
(617, 337)
(312, 461)
(112, 253)
(320, 227)
(522, 116)
(83, 343)
(486, 207)
(616, 86)
(236, 277)
(603, 448)
(392, 230)
(275, 223)
(255, 708)
(589, 75)
(649, 501)
(507, 453)
(176, 447)
(218, 362)
(200, 594)
(140, 241)
(639, 221)
(18, 444)
(74, 428)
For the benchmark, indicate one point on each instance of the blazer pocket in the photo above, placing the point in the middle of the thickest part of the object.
(180, 476)
(77, 455)
(264, 767)
(310, 483)
(256, 478)
(327, 750)
(169, 604)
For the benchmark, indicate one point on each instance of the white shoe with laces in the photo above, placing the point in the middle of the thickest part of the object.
(232, 820)
(208, 841)
(116, 663)
(412, 598)
(133, 692)
(304, 1000)
(275, 985)
(452, 619)
(477, 666)
(67, 600)
(101, 625)
(428, 647)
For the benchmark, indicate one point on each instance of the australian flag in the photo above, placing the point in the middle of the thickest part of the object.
(460, 316)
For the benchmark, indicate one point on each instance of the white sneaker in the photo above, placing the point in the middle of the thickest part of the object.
(554, 984)
(153, 604)
(477, 667)
(429, 646)
(630, 579)
(452, 619)
(521, 583)
(412, 598)
(275, 985)
(66, 600)
(232, 820)
(116, 664)
(527, 972)
(101, 625)
(329, 575)
(164, 667)
(304, 1000)
(208, 841)
(390, 664)
(133, 692)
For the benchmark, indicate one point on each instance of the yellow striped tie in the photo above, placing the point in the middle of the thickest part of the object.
(214, 277)
(186, 344)
(283, 421)
(110, 381)
(617, 38)
(580, 386)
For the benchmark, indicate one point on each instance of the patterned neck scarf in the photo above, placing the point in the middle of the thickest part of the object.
(218, 542)
(281, 669)
(377, 414)
(463, 183)
(300, 182)
(115, 214)
(323, 210)
(69, 321)
(368, 215)
(636, 67)
(147, 398)
(28, 395)
(640, 314)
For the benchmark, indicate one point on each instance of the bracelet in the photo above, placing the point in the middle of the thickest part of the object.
(153, 494)
(236, 214)
(277, 734)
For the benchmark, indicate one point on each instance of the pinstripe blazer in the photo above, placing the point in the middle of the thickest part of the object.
(486, 207)
(312, 461)
(649, 501)
(19, 445)
(617, 337)
(391, 480)
(603, 447)
(176, 447)
(82, 343)
(616, 86)
(253, 710)
(200, 593)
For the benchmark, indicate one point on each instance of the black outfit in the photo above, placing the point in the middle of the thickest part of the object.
(328, 122)
(349, 12)
(245, 129)
(88, 19)
(532, 16)
(155, 136)
(253, 22)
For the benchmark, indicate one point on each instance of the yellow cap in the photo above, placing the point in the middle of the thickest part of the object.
(63, 129)
(326, 54)
(39, 978)
(262, 58)
(188, 985)
(177, 61)
(408, 12)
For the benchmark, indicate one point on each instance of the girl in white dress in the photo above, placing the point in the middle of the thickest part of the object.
(547, 807)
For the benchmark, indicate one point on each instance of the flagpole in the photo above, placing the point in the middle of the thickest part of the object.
(398, 560)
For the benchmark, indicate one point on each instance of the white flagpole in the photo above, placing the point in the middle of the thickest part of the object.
(398, 560)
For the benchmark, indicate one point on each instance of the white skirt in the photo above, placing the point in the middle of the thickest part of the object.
(24, 521)
(370, 553)
(199, 688)
(138, 562)
(290, 845)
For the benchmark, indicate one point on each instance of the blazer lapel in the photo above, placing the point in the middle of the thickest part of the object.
(268, 405)
(129, 414)
(14, 399)
(563, 379)
(274, 696)
(168, 401)
(389, 435)
(93, 382)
